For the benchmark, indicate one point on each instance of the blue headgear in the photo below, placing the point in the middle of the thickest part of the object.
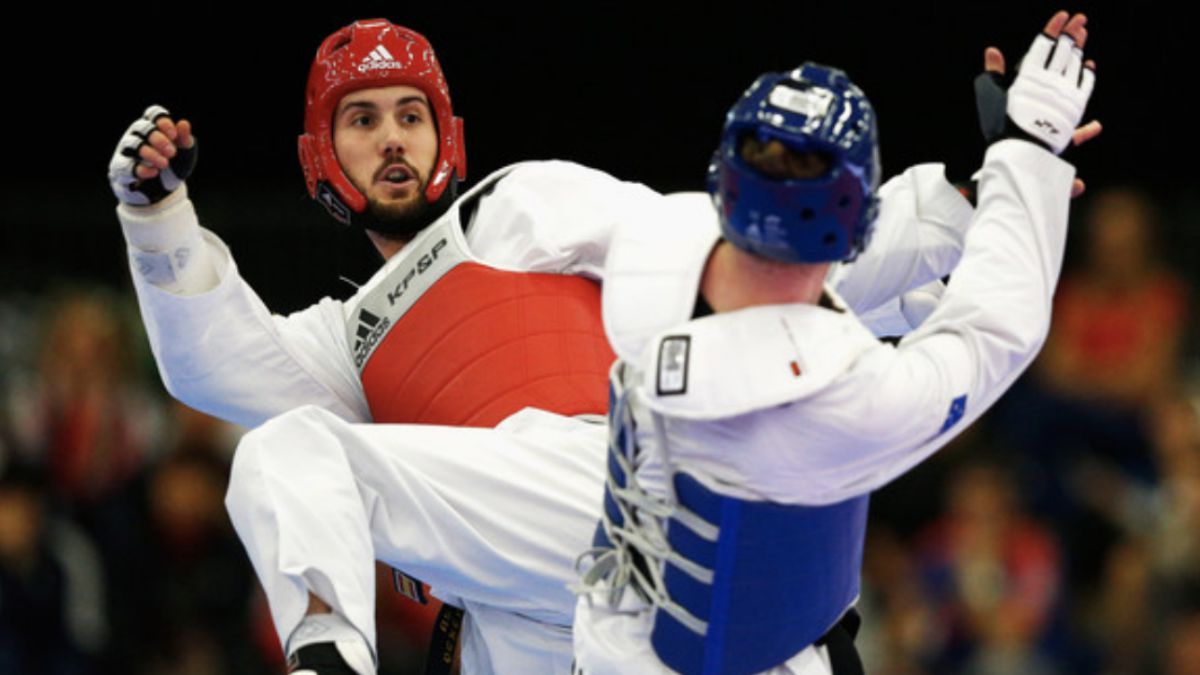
(828, 218)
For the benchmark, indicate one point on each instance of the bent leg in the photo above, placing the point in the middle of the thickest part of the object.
(295, 504)
(491, 517)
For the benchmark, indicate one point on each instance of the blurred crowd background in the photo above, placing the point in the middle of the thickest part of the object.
(1061, 534)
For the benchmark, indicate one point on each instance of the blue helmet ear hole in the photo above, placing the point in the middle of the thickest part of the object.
(844, 201)
(807, 214)
(829, 239)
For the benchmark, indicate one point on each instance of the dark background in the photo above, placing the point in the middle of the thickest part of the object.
(638, 90)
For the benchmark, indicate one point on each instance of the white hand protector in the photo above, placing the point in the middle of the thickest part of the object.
(1051, 91)
(125, 183)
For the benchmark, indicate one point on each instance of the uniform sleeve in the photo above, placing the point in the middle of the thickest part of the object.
(218, 348)
(556, 217)
(902, 315)
(917, 239)
(894, 407)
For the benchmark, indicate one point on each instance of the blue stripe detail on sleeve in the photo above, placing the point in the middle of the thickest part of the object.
(958, 408)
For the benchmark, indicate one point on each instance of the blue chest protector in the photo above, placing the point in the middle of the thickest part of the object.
(738, 586)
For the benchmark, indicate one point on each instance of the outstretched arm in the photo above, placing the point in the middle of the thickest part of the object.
(879, 411)
(922, 222)
(996, 310)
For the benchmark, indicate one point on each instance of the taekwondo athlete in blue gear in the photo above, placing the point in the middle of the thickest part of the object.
(744, 444)
(728, 558)
(813, 109)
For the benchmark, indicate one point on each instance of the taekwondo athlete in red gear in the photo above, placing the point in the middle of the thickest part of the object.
(485, 314)
(745, 442)
(491, 324)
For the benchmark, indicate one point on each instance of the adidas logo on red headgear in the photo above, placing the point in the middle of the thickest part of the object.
(379, 59)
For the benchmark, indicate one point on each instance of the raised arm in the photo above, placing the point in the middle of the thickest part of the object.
(995, 313)
(217, 346)
(923, 219)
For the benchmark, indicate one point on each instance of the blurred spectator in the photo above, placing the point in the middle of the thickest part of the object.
(1112, 355)
(82, 413)
(1155, 566)
(1121, 619)
(1118, 321)
(992, 577)
(50, 606)
(192, 612)
(899, 630)
(1114, 345)
(1177, 523)
(1181, 655)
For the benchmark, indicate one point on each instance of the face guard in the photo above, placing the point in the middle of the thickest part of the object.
(828, 218)
(366, 54)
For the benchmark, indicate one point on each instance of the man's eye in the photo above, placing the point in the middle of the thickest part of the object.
(411, 118)
(360, 120)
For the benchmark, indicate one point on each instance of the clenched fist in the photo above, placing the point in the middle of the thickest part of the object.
(153, 158)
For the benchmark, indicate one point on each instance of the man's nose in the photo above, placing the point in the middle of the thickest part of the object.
(395, 138)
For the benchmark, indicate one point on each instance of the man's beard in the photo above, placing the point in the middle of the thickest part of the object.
(398, 220)
(401, 221)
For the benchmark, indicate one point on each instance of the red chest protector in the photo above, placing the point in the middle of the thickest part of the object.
(443, 339)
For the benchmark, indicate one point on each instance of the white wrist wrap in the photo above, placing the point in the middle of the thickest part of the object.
(166, 246)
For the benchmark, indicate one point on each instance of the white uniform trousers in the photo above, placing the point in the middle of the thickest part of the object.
(492, 519)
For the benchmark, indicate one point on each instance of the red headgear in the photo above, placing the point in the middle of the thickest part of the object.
(365, 54)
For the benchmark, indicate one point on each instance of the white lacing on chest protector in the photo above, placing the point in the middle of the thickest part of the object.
(644, 518)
